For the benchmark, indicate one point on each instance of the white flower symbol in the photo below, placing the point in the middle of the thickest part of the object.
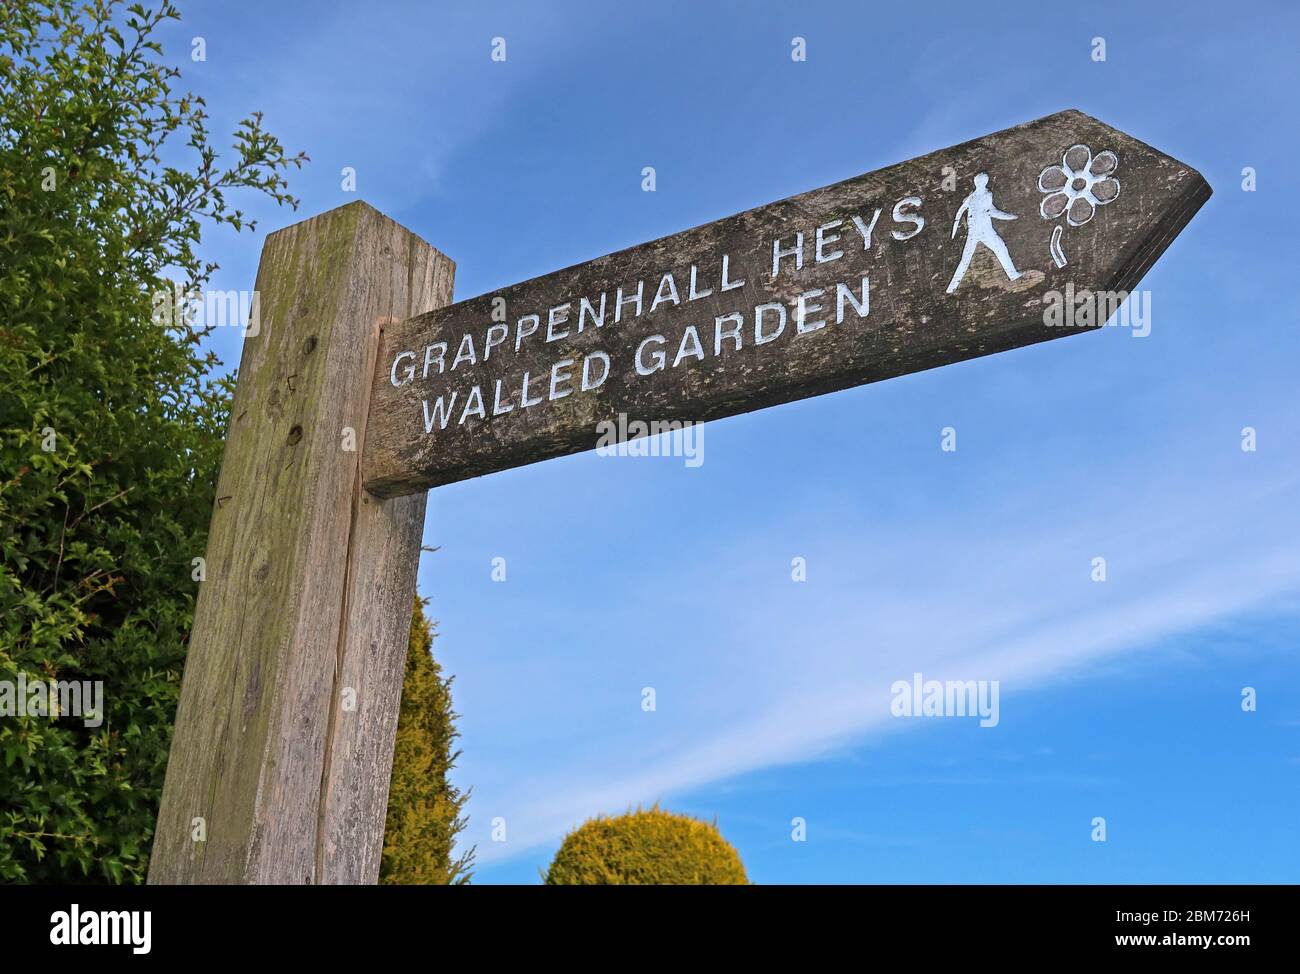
(1080, 184)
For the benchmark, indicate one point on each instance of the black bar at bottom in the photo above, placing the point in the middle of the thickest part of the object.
(332, 925)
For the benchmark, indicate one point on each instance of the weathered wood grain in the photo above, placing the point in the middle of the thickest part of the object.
(306, 605)
(910, 322)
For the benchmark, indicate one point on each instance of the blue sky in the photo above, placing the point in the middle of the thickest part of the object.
(1118, 699)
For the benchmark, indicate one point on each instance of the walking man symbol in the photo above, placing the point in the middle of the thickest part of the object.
(980, 213)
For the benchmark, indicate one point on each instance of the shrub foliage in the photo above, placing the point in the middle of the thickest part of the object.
(645, 848)
(424, 808)
(111, 423)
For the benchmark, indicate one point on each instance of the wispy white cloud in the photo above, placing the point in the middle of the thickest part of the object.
(990, 606)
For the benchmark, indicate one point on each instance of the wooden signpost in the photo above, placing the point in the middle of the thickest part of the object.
(283, 746)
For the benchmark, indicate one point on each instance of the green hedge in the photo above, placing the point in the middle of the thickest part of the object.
(111, 422)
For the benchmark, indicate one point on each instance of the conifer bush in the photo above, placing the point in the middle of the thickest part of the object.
(644, 848)
(424, 807)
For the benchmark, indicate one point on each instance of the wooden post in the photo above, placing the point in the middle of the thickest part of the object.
(284, 735)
